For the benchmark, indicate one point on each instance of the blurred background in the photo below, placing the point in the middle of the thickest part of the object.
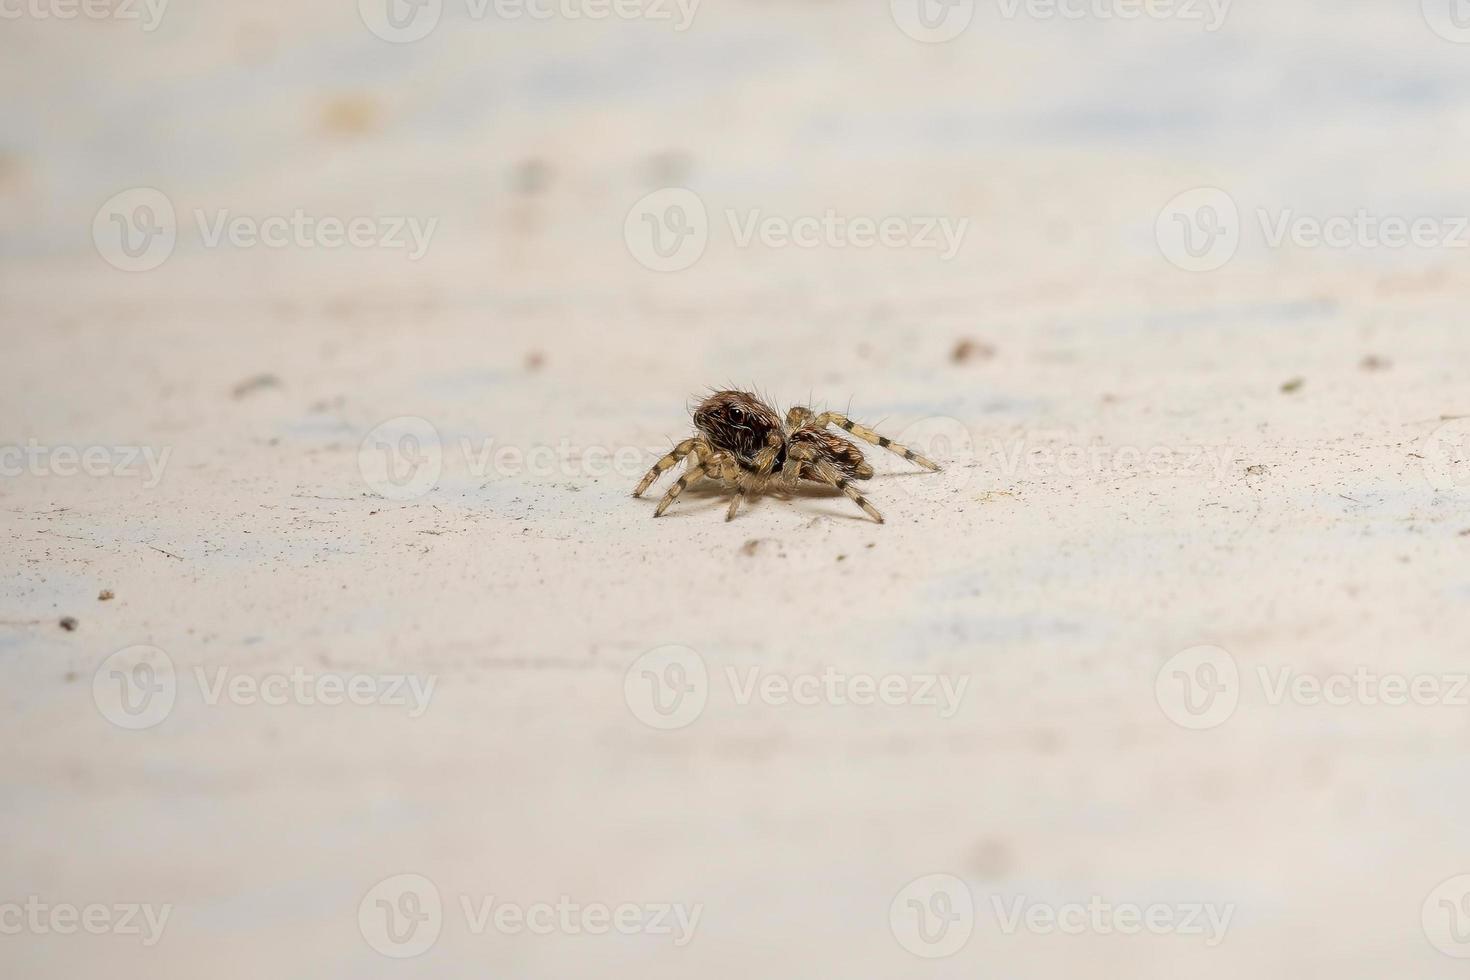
(297, 273)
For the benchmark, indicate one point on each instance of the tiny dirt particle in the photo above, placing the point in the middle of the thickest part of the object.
(971, 350)
(69, 623)
(104, 595)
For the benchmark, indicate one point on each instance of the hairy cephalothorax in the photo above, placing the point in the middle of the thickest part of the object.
(745, 444)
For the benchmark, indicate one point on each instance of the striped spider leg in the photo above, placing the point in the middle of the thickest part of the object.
(804, 417)
(813, 463)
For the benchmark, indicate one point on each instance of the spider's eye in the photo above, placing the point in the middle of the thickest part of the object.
(737, 414)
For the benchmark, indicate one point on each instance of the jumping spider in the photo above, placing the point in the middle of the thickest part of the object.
(743, 442)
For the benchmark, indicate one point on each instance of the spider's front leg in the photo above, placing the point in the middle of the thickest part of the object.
(867, 435)
(667, 463)
(750, 482)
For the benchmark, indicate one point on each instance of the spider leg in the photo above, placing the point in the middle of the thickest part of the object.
(821, 471)
(751, 482)
(694, 472)
(665, 464)
(869, 436)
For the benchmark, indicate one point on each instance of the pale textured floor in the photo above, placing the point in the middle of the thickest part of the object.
(527, 597)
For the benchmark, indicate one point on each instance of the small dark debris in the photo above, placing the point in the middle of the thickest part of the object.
(1293, 386)
(1375, 363)
(105, 595)
(842, 558)
(251, 385)
(531, 176)
(749, 547)
(971, 350)
(535, 360)
(1465, 533)
(1255, 470)
(70, 676)
(671, 167)
(871, 544)
(69, 623)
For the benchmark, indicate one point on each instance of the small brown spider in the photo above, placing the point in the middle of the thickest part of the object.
(743, 442)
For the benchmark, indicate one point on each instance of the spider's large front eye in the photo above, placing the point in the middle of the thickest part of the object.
(737, 414)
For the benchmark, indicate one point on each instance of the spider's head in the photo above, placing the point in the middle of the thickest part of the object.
(737, 421)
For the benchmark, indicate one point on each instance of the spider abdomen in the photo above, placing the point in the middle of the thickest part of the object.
(836, 450)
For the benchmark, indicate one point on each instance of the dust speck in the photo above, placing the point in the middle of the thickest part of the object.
(257, 383)
(971, 350)
(349, 115)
